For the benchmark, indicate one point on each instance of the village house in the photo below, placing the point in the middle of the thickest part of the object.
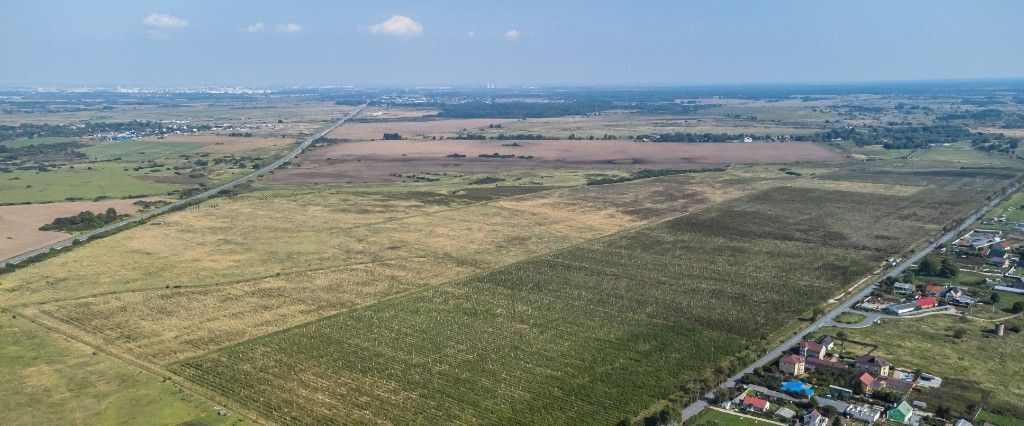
(792, 364)
(815, 363)
(755, 404)
(965, 301)
(953, 292)
(927, 302)
(934, 289)
(814, 418)
(811, 349)
(827, 342)
(869, 384)
(872, 364)
(900, 413)
(904, 288)
(901, 308)
(980, 238)
(864, 413)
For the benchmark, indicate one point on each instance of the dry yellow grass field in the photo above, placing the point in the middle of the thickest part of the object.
(200, 279)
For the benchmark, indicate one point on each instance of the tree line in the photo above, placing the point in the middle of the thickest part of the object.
(83, 221)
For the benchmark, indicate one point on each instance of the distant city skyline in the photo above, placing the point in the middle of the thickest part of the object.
(529, 43)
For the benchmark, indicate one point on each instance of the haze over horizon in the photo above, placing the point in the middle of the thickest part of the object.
(402, 43)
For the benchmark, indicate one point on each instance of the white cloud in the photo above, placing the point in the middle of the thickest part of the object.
(471, 34)
(398, 25)
(512, 35)
(255, 28)
(289, 28)
(160, 20)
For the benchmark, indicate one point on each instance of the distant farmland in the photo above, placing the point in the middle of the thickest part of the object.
(589, 333)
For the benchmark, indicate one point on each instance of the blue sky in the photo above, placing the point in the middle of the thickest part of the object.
(406, 43)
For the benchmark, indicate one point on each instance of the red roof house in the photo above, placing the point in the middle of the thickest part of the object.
(927, 302)
(756, 404)
(869, 383)
(934, 289)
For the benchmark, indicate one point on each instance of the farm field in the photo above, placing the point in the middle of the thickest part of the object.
(65, 382)
(297, 116)
(620, 124)
(391, 160)
(19, 224)
(81, 182)
(392, 282)
(978, 363)
(419, 129)
(321, 252)
(542, 324)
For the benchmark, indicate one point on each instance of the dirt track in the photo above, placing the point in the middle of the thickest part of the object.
(377, 161)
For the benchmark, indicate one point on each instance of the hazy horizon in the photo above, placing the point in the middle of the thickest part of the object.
(574, 44)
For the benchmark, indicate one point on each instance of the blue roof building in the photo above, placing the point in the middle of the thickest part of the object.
(797, 387)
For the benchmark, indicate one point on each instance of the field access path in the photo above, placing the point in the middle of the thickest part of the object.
(185, 201)
(828, 319)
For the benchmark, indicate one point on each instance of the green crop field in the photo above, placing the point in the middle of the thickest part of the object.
(590, 333)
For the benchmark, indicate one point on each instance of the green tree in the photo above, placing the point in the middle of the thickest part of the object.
(929, 267)
(994, 298)
(948, 268)
(829, 411)
(1018, 307)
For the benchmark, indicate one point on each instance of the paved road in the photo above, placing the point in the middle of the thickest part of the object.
(869, 318)
(186, 201)
(695, 408)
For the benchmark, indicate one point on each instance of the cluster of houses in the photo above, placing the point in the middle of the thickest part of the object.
(988, 243)
(874, 374)
(931, 296)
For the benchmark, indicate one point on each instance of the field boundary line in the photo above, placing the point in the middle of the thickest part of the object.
(226, 284)
(71, 332)
(424, 289)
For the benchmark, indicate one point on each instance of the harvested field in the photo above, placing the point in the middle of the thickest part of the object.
(410, 129)
(382, 160)
(19, 224)
(589, 333)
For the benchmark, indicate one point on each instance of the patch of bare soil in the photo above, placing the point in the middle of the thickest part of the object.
(19, 225)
